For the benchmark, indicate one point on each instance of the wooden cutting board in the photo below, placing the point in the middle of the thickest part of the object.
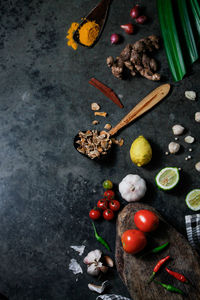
(135, 270)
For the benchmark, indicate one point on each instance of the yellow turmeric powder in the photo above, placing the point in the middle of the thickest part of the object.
(88, 33)
(71, 42)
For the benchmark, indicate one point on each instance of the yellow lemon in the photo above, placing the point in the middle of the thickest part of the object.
(140, 152)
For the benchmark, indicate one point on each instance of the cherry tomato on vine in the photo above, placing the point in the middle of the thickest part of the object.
(133, 241)
(102, 204)
(146, 220)
(109, 194)
(94, 214)
(107, 184)
(114, 205)
(108, 214)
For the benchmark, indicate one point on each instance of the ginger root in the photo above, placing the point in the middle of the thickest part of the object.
(135, 58)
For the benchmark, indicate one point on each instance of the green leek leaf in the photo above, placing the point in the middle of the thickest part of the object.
(196, 13)
(171, 39)
(187, 31)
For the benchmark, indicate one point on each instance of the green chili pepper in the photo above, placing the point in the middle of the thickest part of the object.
(159, 248)
(99, 238)
(170, 287)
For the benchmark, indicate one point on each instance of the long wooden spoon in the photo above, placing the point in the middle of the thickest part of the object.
(143, 106)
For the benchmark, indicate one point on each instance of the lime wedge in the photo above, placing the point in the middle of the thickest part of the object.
(167, 178)
(193, 199)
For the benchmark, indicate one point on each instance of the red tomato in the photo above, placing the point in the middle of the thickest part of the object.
(109, 194)
(102, 204)
(146, 220)
(133, 241)
(114, 205)
(94, 214)
(108, 214)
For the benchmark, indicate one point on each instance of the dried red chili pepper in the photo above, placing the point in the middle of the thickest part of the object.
(177, 275)
(158, 266)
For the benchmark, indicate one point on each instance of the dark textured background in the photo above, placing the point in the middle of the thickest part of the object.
(46, 187)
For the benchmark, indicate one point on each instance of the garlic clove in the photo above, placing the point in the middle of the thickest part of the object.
(189, 139)
(98, 288)
(104, 269)
(93, 269)
(177, 129)
(109, 261)
(197, 166)
(191, 95)
(93, 256)
(197, 117)
(173, 147)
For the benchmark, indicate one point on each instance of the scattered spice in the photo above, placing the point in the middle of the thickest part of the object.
(169, 287)
(71, 42)
(177, 275)
(95, 122)
(108, 126)
(158, 266)
(100, 239)
(119, 142)
(95, 106)
(93, 144)
(88, 33)
(101, 114)
(108, 92)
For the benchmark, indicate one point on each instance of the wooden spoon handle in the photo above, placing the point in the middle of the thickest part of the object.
(144, 105)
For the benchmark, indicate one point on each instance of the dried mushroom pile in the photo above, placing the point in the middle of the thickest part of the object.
(135, 57)
(94, 144)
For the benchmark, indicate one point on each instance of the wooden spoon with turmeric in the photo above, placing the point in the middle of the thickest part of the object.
(89, 31)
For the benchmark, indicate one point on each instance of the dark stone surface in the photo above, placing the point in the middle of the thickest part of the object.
(46, 187)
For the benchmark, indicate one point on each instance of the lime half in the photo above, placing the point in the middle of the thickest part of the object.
(193, 199)
(167, 178)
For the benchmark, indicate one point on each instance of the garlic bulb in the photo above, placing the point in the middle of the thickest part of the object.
(132, 188)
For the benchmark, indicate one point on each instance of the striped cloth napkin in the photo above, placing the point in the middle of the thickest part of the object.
(192, 223)
(111, 297)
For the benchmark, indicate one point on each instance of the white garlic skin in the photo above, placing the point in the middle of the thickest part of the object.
(197, 166)
(173, 147)
(191, 95)
(189, 139)
(177, 129)
(197, 116)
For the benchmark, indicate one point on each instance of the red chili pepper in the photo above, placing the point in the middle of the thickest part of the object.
(158, 266)
(178, 276)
